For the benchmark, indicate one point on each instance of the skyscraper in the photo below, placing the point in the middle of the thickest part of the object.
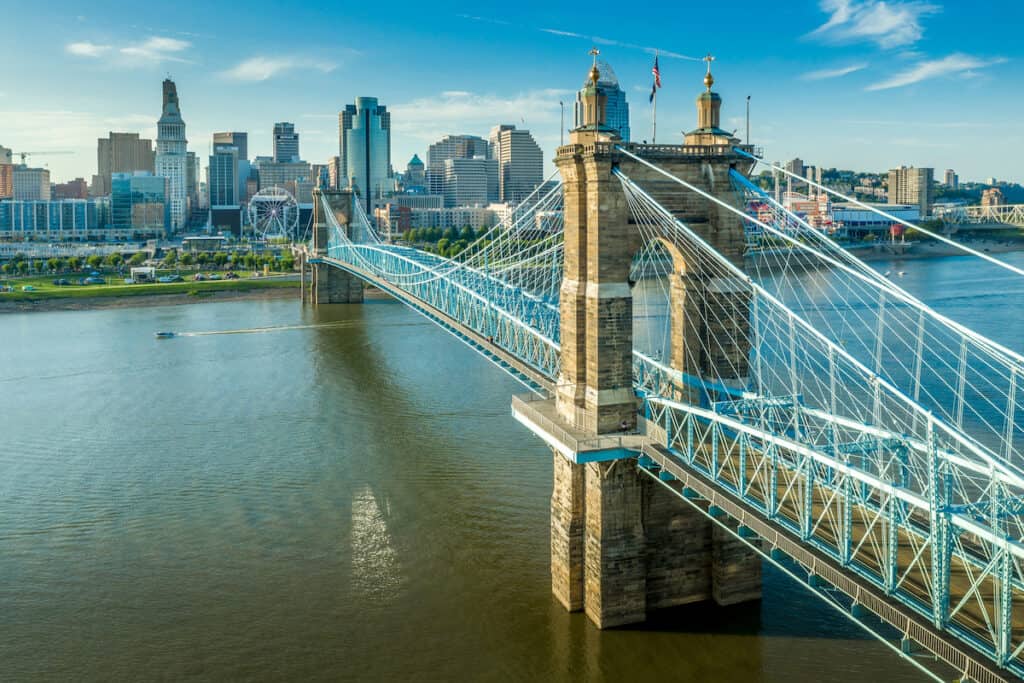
(912, 186)
(31, 183)
(451, 147)
(952, 180)
(223, 180)
(286, 143)
(172, 155)
(520, 162)
(240, 141)
(120, 153)
(616, 108)
(469, 182)
(364, 131)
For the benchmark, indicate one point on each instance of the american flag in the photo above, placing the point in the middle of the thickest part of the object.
(656, 72)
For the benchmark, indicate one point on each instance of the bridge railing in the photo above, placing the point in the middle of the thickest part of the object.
(851, 501)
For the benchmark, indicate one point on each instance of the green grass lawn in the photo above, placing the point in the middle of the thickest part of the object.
(115, 287)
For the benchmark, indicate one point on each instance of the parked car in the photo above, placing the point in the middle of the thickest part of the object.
(199, 277)
(61, 282)
(28, 288)
(92, 280)
(213, 276)
(170, 278)
(231, 276)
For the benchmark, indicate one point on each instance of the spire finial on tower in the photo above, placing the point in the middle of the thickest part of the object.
(709, 80)
(594, 73)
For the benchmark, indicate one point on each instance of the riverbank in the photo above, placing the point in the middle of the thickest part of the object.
(169, 294)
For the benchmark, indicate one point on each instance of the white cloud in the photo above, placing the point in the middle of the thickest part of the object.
(823, 74)
(618, 43)
(153, 50)
(887, 24)
(157, 49)
(263, 68)
(86, 49)
(956, 63)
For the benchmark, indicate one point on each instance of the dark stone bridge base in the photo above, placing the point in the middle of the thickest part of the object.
(623, 546)
(334, 286)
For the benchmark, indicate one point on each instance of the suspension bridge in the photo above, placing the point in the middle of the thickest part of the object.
(708, 413)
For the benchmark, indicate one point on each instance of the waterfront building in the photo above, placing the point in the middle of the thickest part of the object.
(520, 162)
(120, 153)
(909, 185)
(286, 143)
(73, 189)
(453, 217)
(239, 141)
(855, 221)
(364, 131)
(63, 220)
(192, 176)
(222, 178)
(992, 197)
(616, 107)
(171, 156)
(6, 181)
(30, 184)
(418, 200)
(952, 179)
(139, 204)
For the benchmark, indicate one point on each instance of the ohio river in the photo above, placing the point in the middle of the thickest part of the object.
(346, 498)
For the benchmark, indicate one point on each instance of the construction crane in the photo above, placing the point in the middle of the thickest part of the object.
(25, 155)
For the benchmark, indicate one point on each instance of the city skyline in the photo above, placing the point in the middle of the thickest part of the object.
(851, 84)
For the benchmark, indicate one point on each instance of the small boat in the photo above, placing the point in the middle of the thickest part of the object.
(164, 335)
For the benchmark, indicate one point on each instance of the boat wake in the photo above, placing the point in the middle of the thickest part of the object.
(262, 330)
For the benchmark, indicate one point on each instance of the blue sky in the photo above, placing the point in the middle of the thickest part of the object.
(850, 83)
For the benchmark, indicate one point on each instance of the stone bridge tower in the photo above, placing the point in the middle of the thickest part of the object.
(621, 544)
(330, 285)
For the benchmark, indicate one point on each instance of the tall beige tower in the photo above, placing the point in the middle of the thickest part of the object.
(621, 545)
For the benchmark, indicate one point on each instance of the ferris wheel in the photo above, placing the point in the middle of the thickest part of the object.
(273, 212)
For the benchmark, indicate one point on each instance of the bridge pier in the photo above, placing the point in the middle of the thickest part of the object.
(622, 546)
(332, 285)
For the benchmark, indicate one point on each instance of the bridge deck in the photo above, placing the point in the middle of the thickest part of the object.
(508, 361)
(780, 532)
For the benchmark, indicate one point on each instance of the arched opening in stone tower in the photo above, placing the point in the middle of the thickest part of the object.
(684, 318)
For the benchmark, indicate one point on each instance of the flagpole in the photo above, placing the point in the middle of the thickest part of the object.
(654, 132)
(654, 117)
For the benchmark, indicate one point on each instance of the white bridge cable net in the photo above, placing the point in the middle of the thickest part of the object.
(967, 379)
(514, 264)
(786, 377)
